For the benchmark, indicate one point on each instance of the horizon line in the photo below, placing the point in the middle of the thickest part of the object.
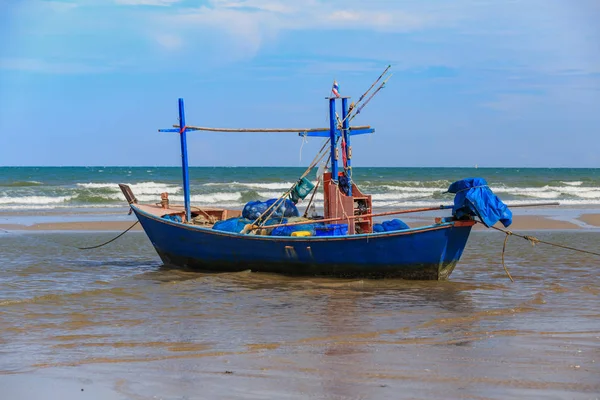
(283, 166)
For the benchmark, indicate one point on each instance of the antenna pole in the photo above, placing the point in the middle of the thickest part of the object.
(346, 149)
(333, 139)
(184, 161)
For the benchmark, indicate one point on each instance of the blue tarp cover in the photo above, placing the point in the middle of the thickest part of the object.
(232, 224)
(474, 198)
(288, 230)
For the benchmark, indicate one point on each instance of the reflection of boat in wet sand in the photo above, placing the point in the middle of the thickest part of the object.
(272, 237)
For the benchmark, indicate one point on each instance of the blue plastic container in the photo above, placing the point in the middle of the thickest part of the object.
(332, 230)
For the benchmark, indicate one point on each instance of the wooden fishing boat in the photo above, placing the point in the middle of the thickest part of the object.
(426, 252)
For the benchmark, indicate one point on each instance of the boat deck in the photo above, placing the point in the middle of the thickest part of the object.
(210, 214)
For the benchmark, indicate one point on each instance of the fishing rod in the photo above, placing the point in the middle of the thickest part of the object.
(374, 83)
(365, 93)
(359, 109)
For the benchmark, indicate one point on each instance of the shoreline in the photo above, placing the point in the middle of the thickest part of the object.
(584, 222)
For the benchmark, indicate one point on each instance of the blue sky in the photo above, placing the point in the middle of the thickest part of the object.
(492, 83)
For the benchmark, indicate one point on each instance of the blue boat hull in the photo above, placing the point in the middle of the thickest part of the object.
(422, 253)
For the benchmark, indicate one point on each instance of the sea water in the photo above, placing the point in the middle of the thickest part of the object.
(55, 188)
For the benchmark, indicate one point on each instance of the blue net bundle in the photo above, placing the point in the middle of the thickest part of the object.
(391, 225)
(172, 217)
(254, 209)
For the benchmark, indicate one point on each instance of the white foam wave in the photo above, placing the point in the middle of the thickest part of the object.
(59, 206)
(441, 184)
(270, 195)
(40, 200)
(539, 195)
(551, 192)
(396, 196)
(579, 191)
(212, 198)
(253, 185)
(137, 188)
(107, 196)
(411, 189)
(572, 183)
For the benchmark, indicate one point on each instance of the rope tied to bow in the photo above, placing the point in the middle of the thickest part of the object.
(534, 241)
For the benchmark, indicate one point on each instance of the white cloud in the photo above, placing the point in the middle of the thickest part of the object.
(169, 41)
(160, 3)
(249, 24)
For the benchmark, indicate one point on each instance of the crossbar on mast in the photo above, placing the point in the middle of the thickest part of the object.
(296, 130)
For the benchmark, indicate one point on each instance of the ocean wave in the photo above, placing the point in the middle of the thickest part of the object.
(253, 185)
(137, 188)
(21, 184)
(13, 207)
(41, 200)
(440, 184)
(572, 183)
(535, 194)
(408, 189)
(29, 194)
(94, 198)
(430, 203)
(270, 195)
(211, 198)
(551, 192)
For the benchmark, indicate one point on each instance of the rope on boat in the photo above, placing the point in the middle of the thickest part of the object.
(533, 240)
(111, 240)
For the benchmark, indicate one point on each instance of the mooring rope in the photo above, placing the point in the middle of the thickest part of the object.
(504, 264)
(533, 240)
(111, 240)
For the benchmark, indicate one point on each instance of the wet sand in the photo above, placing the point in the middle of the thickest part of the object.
(118, 325)
(591, 219)
(74, 226)
(113, 323)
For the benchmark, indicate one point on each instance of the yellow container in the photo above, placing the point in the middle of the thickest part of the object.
(301, 233)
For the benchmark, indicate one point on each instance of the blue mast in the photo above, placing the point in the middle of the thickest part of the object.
(333, 139)
(333, 135)
(184, 161)
(345, 132)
